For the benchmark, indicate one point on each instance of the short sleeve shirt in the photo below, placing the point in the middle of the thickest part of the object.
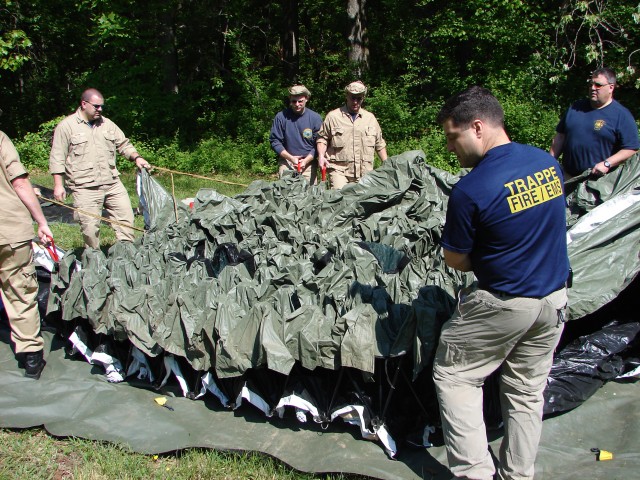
(593, 135)
(508, 214)
(86, 152)
(15, 220)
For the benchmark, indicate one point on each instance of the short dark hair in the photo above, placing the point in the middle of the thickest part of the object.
(470, 104)
(609, 74)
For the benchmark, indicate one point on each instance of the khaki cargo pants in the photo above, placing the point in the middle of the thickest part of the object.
(489, 331)
(340, 174)
(20, 296)
(115, 200)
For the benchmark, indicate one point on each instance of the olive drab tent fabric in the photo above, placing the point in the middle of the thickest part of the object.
(328, 303)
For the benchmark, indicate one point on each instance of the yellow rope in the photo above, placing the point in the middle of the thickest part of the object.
(83, 212)
(162, 169)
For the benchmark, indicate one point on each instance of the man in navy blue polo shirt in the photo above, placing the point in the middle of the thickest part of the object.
(505, 223)
(597, 133)
(294, 133)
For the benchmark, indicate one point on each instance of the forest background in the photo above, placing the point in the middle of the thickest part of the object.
(196, 83)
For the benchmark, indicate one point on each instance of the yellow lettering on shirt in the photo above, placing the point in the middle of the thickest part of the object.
(533, 190)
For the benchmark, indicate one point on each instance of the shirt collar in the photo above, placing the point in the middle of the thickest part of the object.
(346, 111)
(80, 119)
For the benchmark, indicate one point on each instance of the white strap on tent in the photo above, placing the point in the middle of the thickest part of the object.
(209, 384)
(298, 403)
(112, 366)
(80, 346)
(254, 399)
(140, 365)
(354, 415)
(171, 366)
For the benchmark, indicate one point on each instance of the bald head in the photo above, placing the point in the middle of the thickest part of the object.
(89, 93)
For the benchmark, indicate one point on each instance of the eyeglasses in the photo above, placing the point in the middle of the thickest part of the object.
(356, 99)
(597, 85)
(97, 106)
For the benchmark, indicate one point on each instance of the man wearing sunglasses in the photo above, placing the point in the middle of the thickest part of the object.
(349, 138)
(83, 155)
(293, 135)
(597, 133)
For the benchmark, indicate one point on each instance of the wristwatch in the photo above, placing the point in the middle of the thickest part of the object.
(607, 164)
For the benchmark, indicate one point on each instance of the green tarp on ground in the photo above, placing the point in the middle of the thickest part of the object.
(72, 398)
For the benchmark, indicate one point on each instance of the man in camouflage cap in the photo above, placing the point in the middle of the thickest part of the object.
(293, 135)
(348, 139)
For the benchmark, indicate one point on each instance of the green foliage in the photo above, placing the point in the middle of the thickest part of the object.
(34, 148)
(14, 50)
(393, 112)
(197, 87)
(527, 122)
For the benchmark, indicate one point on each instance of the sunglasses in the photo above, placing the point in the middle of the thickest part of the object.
(597, 85)
(97, 106)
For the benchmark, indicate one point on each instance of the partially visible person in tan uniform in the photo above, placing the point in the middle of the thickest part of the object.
(18, 205)
(84, 154)
(348, 139)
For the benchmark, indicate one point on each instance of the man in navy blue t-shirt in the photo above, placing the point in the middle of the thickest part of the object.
(596, 133)
(294, 133)
(506, 223)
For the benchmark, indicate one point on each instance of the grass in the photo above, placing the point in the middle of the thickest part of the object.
(34, 454)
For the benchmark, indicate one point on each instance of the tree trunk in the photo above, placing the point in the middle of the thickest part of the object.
(168, 49)
(291, 55)
(358, 50)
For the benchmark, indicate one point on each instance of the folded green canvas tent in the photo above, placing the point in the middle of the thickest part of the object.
(316, 303)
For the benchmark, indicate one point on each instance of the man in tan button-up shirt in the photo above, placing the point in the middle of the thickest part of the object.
(18, 283)
(348, 139)
(84, 154)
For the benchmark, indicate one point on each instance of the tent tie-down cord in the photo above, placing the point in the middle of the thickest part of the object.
(90, 214)
(168, 170)
(173, 189)
(162, 169)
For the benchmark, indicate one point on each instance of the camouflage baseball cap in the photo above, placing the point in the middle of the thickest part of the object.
(356, 88)
(299, 90)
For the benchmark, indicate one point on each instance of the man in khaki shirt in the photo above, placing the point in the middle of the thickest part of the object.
(18, 205)
(348, 139)
(84, 154)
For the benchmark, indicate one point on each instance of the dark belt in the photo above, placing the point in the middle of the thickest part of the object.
(500, 294)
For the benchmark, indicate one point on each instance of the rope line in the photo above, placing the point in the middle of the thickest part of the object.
(90, 214)
(162, 169)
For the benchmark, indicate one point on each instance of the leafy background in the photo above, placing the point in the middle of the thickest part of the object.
(196, 84)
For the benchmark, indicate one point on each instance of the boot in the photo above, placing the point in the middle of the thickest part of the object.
(33, 364)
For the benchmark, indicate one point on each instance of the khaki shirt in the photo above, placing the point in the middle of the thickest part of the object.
(351, 144)
(86, 153)
(15, 220)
